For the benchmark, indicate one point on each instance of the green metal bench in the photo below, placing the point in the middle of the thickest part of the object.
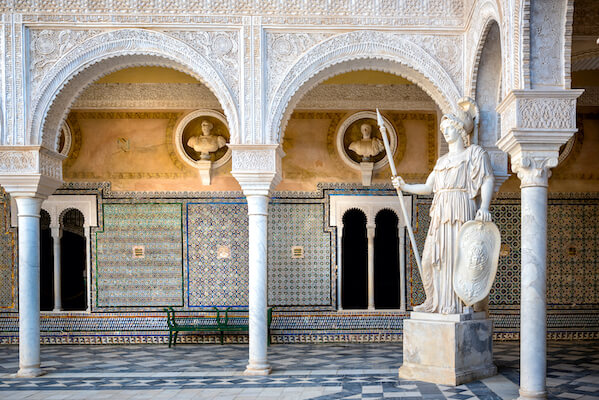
(218, 323)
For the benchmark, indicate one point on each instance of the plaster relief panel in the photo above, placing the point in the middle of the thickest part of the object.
(48, 46)
(221, 49)
(546, 39)
(283, 49)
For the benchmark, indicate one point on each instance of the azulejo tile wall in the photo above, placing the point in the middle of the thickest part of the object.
(152, 278)
(217, 254)
(7, 256)
(304, 281)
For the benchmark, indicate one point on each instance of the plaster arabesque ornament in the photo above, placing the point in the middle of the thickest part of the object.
(462, 183)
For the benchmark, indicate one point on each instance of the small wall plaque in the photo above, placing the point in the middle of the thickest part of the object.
(223, 252)
(297, 252)
(139, 252)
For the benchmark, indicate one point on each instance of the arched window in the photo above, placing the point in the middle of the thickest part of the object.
(354, 279)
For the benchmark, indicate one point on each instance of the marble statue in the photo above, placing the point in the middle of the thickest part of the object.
(462, 183)
(206, 143)
(368, 146)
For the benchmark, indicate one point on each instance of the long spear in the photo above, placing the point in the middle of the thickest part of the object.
(379, 120)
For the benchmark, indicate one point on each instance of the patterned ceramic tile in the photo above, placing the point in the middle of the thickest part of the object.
(153, 277)
(305, 280)
(7, 256)
(217, 254)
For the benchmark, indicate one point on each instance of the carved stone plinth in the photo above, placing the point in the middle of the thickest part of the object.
(447, 349)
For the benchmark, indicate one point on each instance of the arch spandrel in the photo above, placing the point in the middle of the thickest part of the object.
(353, 51)
(111, 51)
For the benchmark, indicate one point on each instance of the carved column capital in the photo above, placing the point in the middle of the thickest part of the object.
(257, 168)
(534, 124)
(30, 171)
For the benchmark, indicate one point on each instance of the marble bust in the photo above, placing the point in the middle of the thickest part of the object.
(368, 146)
(462, 183)
(206, 143)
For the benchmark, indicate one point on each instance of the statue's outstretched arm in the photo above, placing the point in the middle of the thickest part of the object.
(419, 188)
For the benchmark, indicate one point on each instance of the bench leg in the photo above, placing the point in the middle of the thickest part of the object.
(175, 341)
(170, 338)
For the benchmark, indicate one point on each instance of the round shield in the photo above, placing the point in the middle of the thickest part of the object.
(476, 264)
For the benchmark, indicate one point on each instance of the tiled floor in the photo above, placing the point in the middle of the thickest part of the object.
(356, 371)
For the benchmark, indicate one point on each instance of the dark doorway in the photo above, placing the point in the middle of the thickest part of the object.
(73, 261)
(386, 261)
(354, 250)
(46, 263)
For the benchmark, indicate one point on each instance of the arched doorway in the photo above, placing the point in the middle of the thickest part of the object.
(46, 263)
(386, 261)
(73, 261)
(354, 279)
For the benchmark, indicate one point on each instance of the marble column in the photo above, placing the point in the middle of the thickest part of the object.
(533, 327)
(258, 233)
(534, 125)
(56, 235)
(370, 234)
(257, 168)
(28, 209)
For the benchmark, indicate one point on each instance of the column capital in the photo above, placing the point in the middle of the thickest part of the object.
(30, 171)
(257, 168)
(534, 125)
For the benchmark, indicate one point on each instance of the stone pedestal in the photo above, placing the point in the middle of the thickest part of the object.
(447, 349)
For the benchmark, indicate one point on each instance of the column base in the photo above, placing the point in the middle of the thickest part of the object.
(526, 395)
(257, 370)
(30, 372)
(447, 349)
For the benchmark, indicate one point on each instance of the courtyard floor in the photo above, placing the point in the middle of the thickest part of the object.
(309, 371)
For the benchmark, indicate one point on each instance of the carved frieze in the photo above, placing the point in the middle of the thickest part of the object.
(392, 13)
(30, 161)
(147, 96)
(546, 62)
(547, 113)
(447, 50)
(357, 96)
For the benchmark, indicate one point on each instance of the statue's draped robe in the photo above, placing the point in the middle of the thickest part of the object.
(456, 184)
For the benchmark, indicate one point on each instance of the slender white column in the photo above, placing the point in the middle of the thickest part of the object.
(258, 229)
(370, 235)
(86, 231)
(533, 329)
(29, 285)
(402, 269)
(56, 235)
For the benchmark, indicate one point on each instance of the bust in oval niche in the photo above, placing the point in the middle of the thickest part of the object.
(361, 142)
(205, 138)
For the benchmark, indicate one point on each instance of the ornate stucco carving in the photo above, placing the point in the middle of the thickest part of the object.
(146, 96)
(285, 48)
(220, 48)
(47, 46)
(590, 97)
(447, 50)
(353, 51)
(110, 51)
(391, 13)
(358, 96)
(586, 14)
(254, 160)
(19, 161)
(534, 171)
(13, 54)
(547, 21)
(547, 113)
(257, 168)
